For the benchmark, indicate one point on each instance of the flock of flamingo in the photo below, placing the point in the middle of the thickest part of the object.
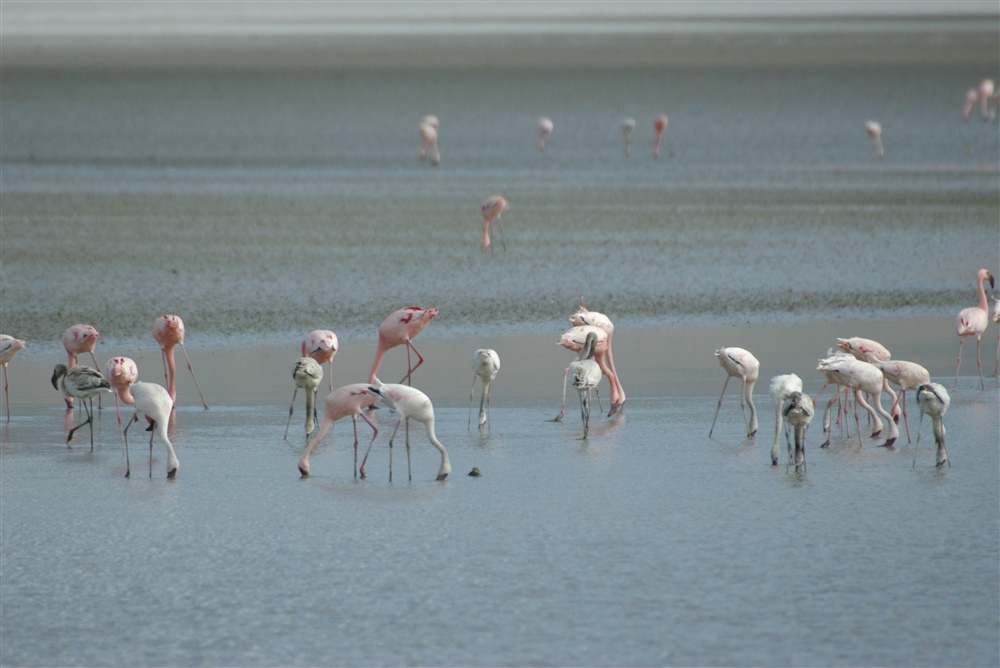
(858, 367)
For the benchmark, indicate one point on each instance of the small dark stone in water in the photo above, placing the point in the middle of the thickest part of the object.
(475, 472)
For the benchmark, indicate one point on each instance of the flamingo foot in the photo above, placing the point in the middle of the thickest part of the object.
(875, 434)
(940, 464)
(888, 443)
(442, 476)
(826, 444)
(558, 418)
(305, 474)
(171, 474)
(362, 473)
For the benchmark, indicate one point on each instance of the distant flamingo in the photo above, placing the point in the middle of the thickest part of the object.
(9, 346)
(933, 400)
(627, 126)
(308, 374)
(996, 319)
(986, 88)
(909, 376)
(573, 339)
(168, 330)
(348, 400)
(797, 410)
(874, 130)
(400, 328)
(971, 97)
(409, 402)
(492, 208)
(153, 401)
(780, 389)
(739, 363)
(860, 377)
(77, 340)
(321, 345)
(83, 383)
(121, 372)
(659, 125)
(545, 127)
(586, 375)
(972, 322)
(428, 130)
(583, 316)
(485, 365)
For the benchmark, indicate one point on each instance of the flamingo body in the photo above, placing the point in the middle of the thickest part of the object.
(349, 400)
(909, 376)
(797, 410)
(168, 331)
(586, 374)
(627, 126)
(491, 209)
(84, 383)
(9, 346)
(321, 345)
(780, 389)
(739, 363)
(545, 127)
(485, 365)
(410, 403)
(121, 372)
(659, 125)
(154, 402)
(861, 377)
(933, 401)
(307, 374)
(428, 129)
(972, 321)
(399, 329)
(582, 317)
(874, 130)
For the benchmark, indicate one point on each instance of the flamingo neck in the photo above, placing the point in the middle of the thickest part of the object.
(125, 394)
(982, 295)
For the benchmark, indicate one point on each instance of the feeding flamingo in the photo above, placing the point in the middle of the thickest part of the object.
(627, 126)
(874, 130)
(933, 400)
(492, 208)
(121, 372)
(797, 410)
(545, 127)
(909, 376)
(308, 374)
(84, 383)
(153, 401)
(986, 88)
(972, 322)
(583, 316)
(9, 346)
(861, 377)
(573, 339)
(586, 375)
(400, 328)
(428, 129)
(485, 365)
(659, 125)
(780, 389)
(739, 363)
(409, 402)
(77, 340)
(321, 345)
(971, 97)
(347, 400)
(168, 330)
(873, 352)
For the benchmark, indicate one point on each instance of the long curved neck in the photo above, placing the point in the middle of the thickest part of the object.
(982, 295)
(432, 437)
(377, 362)
(125, 394)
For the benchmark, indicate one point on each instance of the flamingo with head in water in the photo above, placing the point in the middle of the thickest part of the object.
(350, 400)
(409, 402)
(485, 365)
(399, 329)
(739, 363)
(168, 331)
(491, 209)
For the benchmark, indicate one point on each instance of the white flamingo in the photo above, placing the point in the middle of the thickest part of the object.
(874, 130)
(485, 365)
(321, 345)
(308, 374)
(586, 375)
(873, 352)
(861, 377)
(428, 129)
(627, 126)
(545, 127)
(573, 339)
(780, 389)
(739, 363)
(9, 346)
(996, 319)
(84, 383)
(347, 400)
(491, 209)
(909, 376)
(797, 410)
(596, 319)
(154, 402)
(933, 400)
(409, 402)
(972, 321)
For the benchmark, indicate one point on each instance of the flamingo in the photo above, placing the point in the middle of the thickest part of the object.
(996, 319)
(909, 376)
(860, 377)
(400, 328)
(797, 410)
(308, 374)
(492, 208)
(780, 389)
(79, 339)
(321, 345)
(485, 365)
(586, 376)
(972, 321)
(986, 88)
(573, 339)
(121, 372)
(874, 130)
(739, 363)
(84, 383)
(597, 319)
(347, 400)
(627, 126)
(873, 352)
(971, 97)
(409, 402)
(428, 129)
(168, 330)
(154, 402)
(9, 346)
(545, 127)
(659, 125)
(933, 400)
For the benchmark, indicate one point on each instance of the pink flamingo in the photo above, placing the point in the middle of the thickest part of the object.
(873, 352)
(409, 402)
(627, 126)
(659, 125)
(321, 345)
(574, 339)
(9, 346)
(492, 209)
(597, 319)
(428, 130)
(545, 127)
(971, 97)
(986, 88)
(909, 376)
(874, 130)
(860, 377)
(348, 400)
(154, 402)
(400, 328)
(168, 330)
(77, 340)
(996, 319)
(739, 363)
(121, 372)
(972, 322)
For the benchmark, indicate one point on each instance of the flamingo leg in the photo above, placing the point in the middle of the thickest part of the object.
(410, 369)
(374, 434)
(472, 394)
(961, 340)
(128, 467)
(89, 420)
(979, 365)
(291, 408)
(7, 395)
(409, 462)
(118, 410)
(718, 406)
(393, 436)
(191, 369)
(152, 432)
(502, 240)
